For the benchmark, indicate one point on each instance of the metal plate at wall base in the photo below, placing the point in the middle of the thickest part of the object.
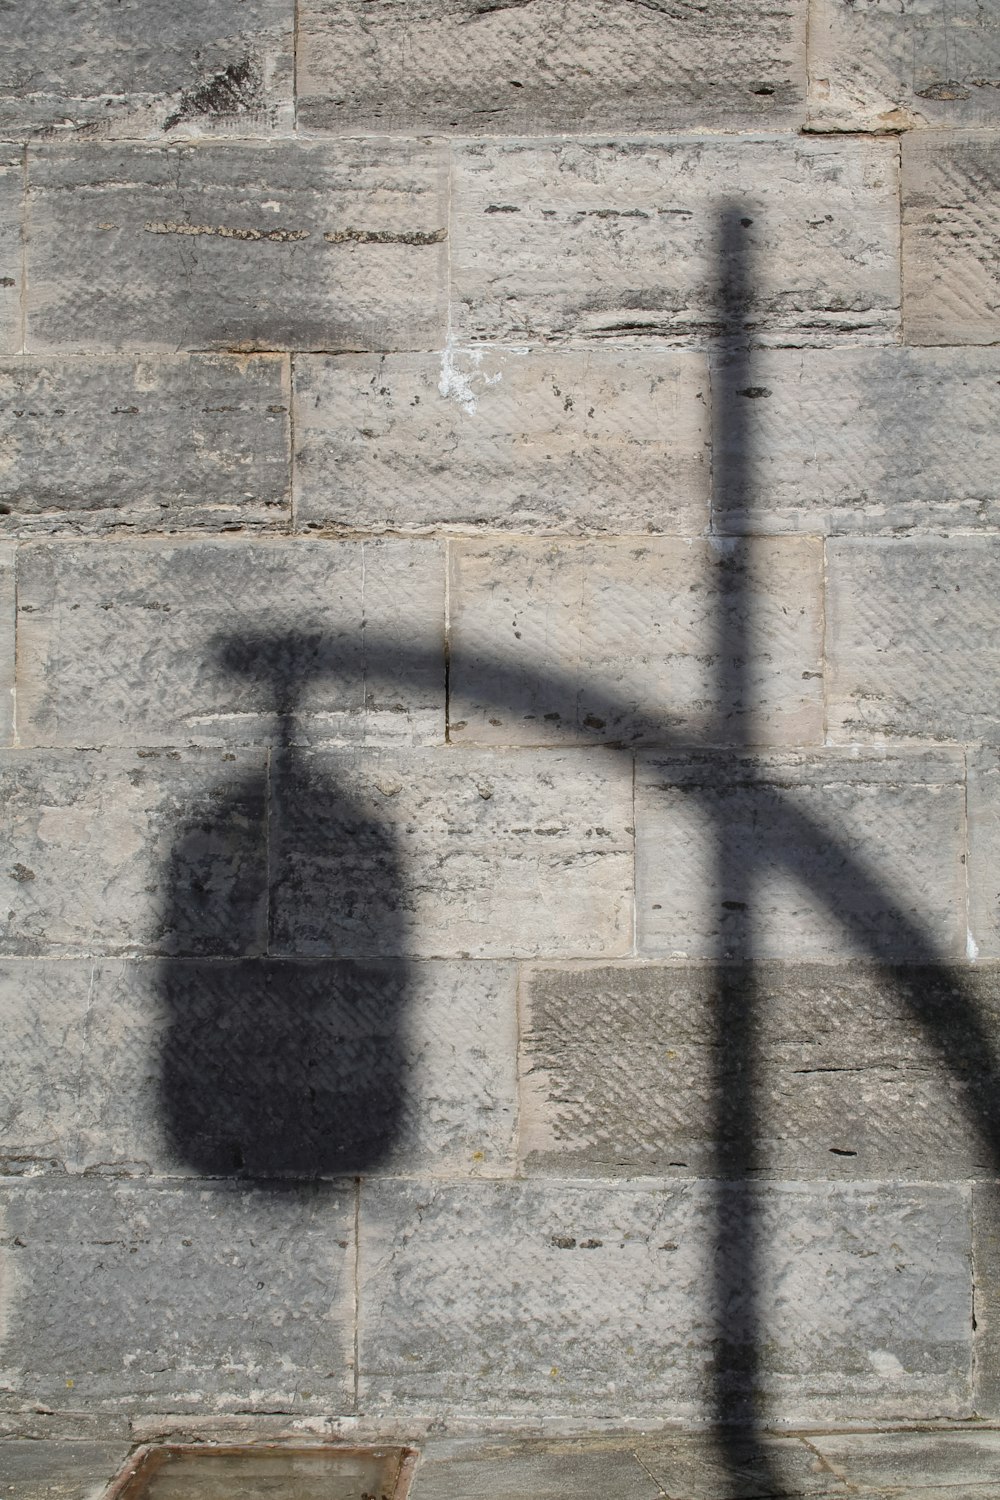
(200, 1472)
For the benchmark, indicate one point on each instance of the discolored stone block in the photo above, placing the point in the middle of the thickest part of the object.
(58, 1470)
(11, 248)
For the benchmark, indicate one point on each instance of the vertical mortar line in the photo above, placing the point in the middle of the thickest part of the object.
(447, 640)
(25, 199)
(15, 735)
(293, 520)
(519, 1002)
(357, 1292)
(899, 242)
(634, 945)
(974, 1362)
(268, 803)
(710, 388)
(295, 65)
(971, 948)
(823, 679)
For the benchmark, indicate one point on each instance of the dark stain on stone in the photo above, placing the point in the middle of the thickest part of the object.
(756, 392)
(386, 236)
(236, 89)
(22, 873)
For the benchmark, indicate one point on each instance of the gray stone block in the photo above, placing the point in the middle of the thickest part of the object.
(633, 640)
(808, 855)
(167, 642)
(11, 250)
(144, 68)
(886, 66)
(509, 69)
(39, 1470)
(983, 808)
(237, 247)
(452, 853)
(150, 445)
(857, 440)
(986, 1292)
(951, 237)
(8, 600)
(133, 852)
(527, 440)
(153, 1295)
(911, 639)
(901, 1463)
(631, 240)
(580, 1299)
(532, 1470)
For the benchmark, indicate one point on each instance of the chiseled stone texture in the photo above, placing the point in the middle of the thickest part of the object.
(983, 763)
(801, 855)
(8, 596)
(520, 1297)
(951, 237)
(632, 239)
(92, 444)
(514, 68)
(911, 642)
(58, 1470)
(11, 278)
(883, 65)
(164, 1296)
(857, 1071)
(128, 851)
(146, 66)
(163, 642)
(544, 440)
(237, 246)
(633, 640)
(857, 440)
(452, 853)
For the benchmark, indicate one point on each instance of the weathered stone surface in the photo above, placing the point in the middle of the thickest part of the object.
(858, 1072)
(901, 1462)
(143, 68)
(532, 1470)
(522, 1297)
(238, 246)
(307, 1471)
(634, 640)
(91, 444)
(890, 66)
(509, 69)
(627, 240)
(161, 1295)
(911, 639)
(8, 598)
(11, 266)
(75, 1470)
(951, 237)
(206, 641)
(133, 851)
(857, 440)
(983, 809)
(807, 855)
(452, 853)
(986, 1301)
(528, 440)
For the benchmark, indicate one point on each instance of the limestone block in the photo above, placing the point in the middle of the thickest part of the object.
(207, 641)
(635, 640)
(148, 66)
(519, 68)
(628, 240)
(986, 1302)
(11, 267)
(172, 1296)
(516, 439)
(153, 445)
(516, 1297)
(857, 440)
(911, 641)
(887, 66)
(983, 807)
(237, 246)
(452, 853)
(801, 855)
(8, 598)
(57, 1470)
(898, 1463)
(123, 852)
(951, 237)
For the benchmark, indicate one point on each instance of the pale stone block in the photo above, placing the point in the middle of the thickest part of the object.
(508, 69)
(630, 240)
(151, 445)
(11, 251)
(902, 1463)
(983, 808)
(986, 1281)
(58, 1470)
(204, 641)
(892, 66)
(237, 246)
(625, 641)
(951, 237)
(8, 610)
(801, 855)
(523, 1469)
(452, 853)
(516, 439)
(163, 1296)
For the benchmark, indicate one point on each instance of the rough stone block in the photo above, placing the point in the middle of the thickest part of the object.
(527, 440)
(152, 445)
(169, 1297)
(518, 1297)
(986, 1291)
(911, 640)
(900, 1463)
(892, 66)
(147, 66)
(801, 855)
(532, 1470)
(509, 69)
(857, 440)
(11, 252)
(983, 809)
(238, 247)
(8, 598)
(629, 240)
(132, 852)
(951, 237)
(207, 641)
(452, 853)
(73, 1470)
(635, 640)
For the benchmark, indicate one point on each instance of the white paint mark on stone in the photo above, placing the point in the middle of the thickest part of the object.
(885, 1364)
(454, 384)
(971, 947)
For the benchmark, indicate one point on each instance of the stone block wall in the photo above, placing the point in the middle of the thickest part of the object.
(499, 642)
